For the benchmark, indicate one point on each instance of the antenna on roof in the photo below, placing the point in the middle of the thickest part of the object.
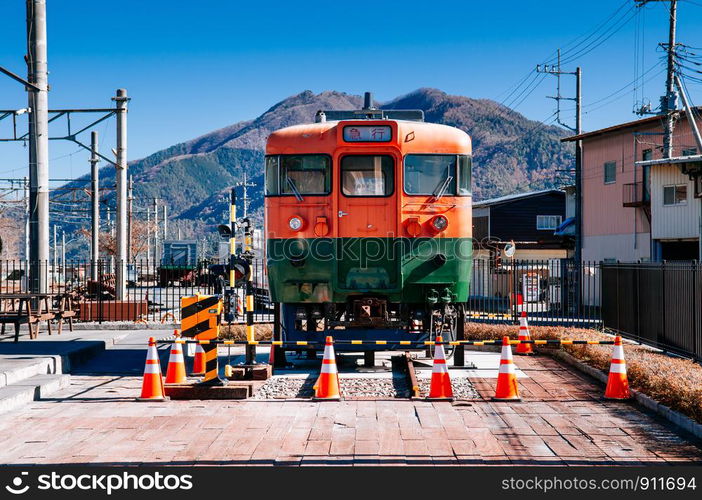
(370, 112)
(368, 100)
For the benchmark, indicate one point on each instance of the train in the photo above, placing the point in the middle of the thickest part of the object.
(368, 227)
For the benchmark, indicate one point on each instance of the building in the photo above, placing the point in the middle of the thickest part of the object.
(527, 219)
(635, 204)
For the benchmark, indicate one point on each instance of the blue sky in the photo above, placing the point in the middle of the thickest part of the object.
(192, 67)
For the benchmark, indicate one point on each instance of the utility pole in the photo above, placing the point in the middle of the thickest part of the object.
(165, 222)
(55, 260)
(578, 129)
(578, 173)
(148, 233)
(95, 204)
(156, 231)
(669, 102)
(26, 224)
(121, 100)
(38, 99)
(245, 199)
(670, 98)
(63, 256)
(130, 198)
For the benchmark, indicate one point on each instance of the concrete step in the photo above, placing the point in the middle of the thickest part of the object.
(16, 368)
(30, 389)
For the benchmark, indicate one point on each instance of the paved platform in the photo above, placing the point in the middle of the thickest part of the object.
(561, 421)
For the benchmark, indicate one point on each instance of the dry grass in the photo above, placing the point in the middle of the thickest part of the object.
(674, 382)
(263, 331)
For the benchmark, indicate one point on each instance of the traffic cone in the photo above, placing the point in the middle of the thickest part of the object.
(327, 386)
(617, 383)
(271, 357)
(152, 386)
(440, 387)
(506, 389)
(199, 360)
(175, 374)
(524, 349)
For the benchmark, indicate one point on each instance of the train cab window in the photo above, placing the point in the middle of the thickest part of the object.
(464, 174)
(437, 175)
(298, 175)
(367, 175)
(430, 174)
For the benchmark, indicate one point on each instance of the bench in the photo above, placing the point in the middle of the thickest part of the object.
(17, 309)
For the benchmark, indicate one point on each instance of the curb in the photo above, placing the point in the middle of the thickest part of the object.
(674, 417)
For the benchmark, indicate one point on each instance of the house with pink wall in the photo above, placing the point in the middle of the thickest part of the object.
(635, 208)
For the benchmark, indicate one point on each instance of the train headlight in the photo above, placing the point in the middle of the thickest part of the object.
(296, 223)
(439, 223)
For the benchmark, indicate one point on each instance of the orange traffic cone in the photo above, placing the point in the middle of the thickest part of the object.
(175, 374)
(199, 360)
(440, 381)
(524, 349)
(152, 386)
(327, 386)
(617, 383)
(506, 378)
(271, 357)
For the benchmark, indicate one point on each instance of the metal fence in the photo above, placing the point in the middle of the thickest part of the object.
(551, 291)
(657, 303)
(152, 295)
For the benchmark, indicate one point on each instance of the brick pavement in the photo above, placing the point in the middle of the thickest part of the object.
(561, 421)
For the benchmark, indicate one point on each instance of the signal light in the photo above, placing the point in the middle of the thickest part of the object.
(296, 223)
(439, 223)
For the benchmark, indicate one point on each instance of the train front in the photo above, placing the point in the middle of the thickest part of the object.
(368, 225)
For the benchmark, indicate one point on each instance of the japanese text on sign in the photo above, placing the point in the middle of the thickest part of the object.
(367, 133)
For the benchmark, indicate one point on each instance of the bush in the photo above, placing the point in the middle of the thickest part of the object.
(674, 382)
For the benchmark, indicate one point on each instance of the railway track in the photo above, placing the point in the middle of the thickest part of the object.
(395, 376)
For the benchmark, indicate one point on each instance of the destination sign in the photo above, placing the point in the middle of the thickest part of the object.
(367, 133)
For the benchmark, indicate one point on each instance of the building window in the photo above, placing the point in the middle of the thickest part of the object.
(689, 152)
(610, 172)
(548, 222)
(675, 195)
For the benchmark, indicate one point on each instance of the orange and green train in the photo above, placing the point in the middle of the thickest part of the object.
(368, 226)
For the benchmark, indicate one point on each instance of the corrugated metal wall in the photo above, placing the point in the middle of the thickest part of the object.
(674, 221)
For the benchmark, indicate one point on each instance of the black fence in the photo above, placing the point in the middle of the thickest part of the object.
(657, 303)
(152, 293)
(551, 291)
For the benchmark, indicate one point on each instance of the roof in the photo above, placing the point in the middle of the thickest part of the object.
(621, 126)
(514, 197)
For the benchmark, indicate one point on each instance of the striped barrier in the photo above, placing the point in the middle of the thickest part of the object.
(385, 342)
(507, 387)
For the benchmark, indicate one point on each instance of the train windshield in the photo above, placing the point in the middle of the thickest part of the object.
(437, 175)
(366, 175)
(298, 175)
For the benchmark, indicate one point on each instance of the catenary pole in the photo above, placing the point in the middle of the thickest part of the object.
(38, 101)
(95, 204)
(130, 217)
(121, 100)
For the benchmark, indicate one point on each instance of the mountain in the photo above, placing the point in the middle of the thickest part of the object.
(511, 153)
